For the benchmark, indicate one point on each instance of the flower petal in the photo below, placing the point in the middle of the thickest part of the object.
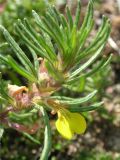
(77, 123)
(63, 127)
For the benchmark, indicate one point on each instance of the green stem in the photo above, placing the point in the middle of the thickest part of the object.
(47, 136)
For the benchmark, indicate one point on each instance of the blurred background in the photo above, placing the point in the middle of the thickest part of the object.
(102, 138)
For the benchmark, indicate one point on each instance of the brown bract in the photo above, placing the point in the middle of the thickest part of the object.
(20, 96)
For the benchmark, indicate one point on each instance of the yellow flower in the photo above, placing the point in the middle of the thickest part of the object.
(69, 123)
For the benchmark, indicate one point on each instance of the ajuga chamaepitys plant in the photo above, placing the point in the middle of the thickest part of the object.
(59, 59)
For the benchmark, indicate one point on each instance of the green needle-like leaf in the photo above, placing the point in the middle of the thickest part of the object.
(86, 26)
(39, 41)
(100, 39)
(70, 20)
(74, 101)
(77, 16)
(101, 65)
(18, 51)
(89, 62)
(86, 109)
(31, 138)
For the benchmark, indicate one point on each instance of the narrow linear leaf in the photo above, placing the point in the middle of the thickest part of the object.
(77, 16)
(35, 58)
(102, 64)
(54, 34)
(69, 16)
(18, 51)
(20, 69)
(40, 42)
(86, 109)
(28, 42)
(86, 26)
(74, 101)
(31, 138)
(44, 25)
(85, 65)
(100, 38)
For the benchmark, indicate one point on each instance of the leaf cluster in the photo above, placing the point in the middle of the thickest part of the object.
(61, 43)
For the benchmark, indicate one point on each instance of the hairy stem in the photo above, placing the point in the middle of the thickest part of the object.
(47, 136)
